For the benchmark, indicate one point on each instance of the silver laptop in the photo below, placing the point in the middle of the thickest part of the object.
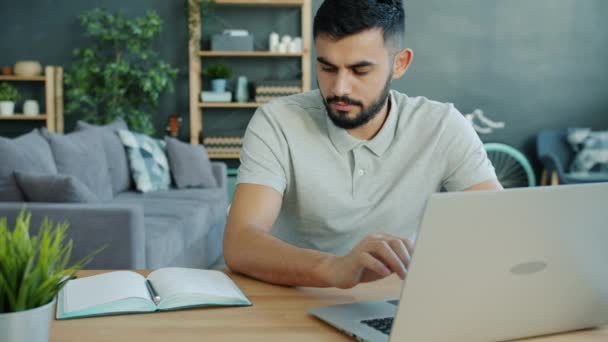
(495, 266)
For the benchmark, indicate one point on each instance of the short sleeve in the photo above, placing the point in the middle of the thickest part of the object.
(264, 155)
(466, 160)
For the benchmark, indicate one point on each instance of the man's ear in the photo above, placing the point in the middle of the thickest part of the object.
(401, 62)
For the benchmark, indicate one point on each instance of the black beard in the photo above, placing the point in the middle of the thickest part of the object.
(341, 119)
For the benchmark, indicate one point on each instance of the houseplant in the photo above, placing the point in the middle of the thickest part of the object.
(119, 74)
(32, 271)
(202, 8)
(8, 96)
(219, 74)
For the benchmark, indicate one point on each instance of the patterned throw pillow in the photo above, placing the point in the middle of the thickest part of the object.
(591, 150)
(147, 160)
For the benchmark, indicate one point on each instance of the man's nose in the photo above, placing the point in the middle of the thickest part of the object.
(342, 84)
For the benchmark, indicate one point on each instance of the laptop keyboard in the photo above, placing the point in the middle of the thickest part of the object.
(383, 325)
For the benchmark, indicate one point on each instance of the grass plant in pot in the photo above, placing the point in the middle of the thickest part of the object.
(8, 96)
(32, 271)
(219, 74)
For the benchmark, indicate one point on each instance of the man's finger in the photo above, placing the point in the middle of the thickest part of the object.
(409, 244)
(387, 256)
(368, 261)
(400, 249)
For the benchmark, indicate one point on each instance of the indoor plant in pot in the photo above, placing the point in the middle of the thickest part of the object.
(219, 74)
(120, 74)
(32, 271)
(8, 96)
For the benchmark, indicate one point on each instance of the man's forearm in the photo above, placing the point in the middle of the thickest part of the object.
(260, 255)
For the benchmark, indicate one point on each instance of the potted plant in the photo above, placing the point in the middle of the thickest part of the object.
(8, 96)
(219, 74)
(32, 271)
(119, 74)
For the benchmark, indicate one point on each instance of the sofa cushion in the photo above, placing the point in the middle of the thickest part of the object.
(190, 165)
(56, 188)
(193, 216)
(190, 220)
(28, 153)
(216, 195)
(81, 155)
(591, 150)
(116, 155)
(148, 162)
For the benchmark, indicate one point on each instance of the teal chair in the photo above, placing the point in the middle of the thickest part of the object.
(556, 155)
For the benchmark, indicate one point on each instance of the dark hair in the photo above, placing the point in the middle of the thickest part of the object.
(342, 18)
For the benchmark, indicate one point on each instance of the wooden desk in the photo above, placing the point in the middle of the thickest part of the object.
(278, 314)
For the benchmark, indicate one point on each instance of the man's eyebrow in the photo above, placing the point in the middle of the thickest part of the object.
(325, 61)
(356, 65)
(361, 64)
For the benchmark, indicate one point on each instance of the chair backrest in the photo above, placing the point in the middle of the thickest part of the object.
(552, 147)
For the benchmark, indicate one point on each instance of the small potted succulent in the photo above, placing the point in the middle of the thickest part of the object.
(32, 271)
(219, 74)
(8, 96)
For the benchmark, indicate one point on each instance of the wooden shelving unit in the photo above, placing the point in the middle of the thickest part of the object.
(196, 55)
(262, 2)
(229, 105)
(18, 117)
(19, 78)
(248, 54)
(53, 98)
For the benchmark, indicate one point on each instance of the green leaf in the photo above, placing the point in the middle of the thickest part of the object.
(119, 75)
(34, 268)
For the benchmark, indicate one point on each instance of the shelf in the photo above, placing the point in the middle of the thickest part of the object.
(17, 117)
(248, 54)
(197, 57)
(20, 78)
(224, 156)
(229, 105)
(260, 2)
(222, 151)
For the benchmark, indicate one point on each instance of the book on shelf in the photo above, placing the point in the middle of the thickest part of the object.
(223, 141)
(166, 289)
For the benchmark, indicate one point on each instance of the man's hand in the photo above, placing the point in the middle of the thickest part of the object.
(375, 257)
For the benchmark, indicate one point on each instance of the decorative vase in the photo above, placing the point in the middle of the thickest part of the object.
(218, 85)
(31, 107)
(242, 93)
(31, 325)
(7, 108)
(28, 68)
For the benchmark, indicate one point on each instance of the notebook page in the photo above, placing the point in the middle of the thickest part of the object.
(172, 280)
(104, 288)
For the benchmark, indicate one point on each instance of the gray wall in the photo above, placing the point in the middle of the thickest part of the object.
(534, 64)
(49, 30)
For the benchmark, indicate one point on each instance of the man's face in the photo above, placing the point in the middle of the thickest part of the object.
(354, 76)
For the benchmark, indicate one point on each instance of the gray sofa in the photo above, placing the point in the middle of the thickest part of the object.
(176, 227)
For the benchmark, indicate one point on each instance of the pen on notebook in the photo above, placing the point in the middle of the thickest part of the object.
(153, 292)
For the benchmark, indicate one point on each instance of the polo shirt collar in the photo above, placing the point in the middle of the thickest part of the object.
(345, 142)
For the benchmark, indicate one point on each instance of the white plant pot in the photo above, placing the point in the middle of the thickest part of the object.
(31, 107)
(218, 85)
(7, 108)
(31, 325)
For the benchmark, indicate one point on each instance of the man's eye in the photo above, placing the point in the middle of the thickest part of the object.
(359, 72)
(328, 69)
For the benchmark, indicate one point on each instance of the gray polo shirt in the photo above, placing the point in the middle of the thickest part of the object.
(338, 189)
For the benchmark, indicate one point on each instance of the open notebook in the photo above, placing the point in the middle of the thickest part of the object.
(123, 292)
